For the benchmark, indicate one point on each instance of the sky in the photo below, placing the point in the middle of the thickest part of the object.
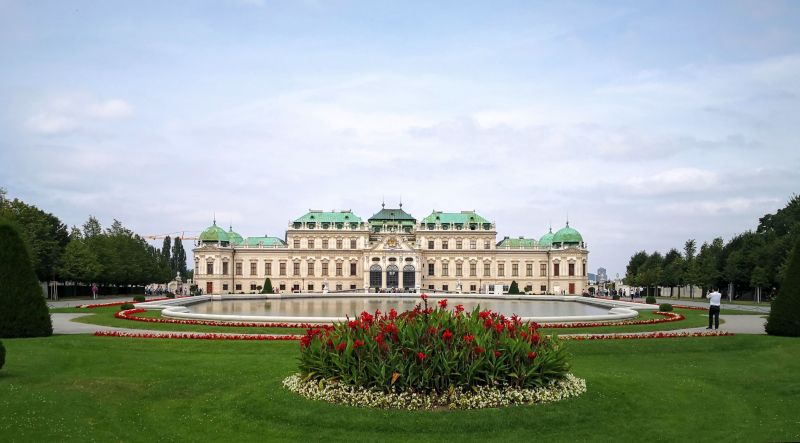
(646, 123)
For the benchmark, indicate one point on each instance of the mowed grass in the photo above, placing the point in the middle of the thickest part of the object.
(79, 388)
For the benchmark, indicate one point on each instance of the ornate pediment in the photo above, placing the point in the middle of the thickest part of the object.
(393, 243)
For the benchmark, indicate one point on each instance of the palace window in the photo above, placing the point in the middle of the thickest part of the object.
(473, 288)
(282, 268)
(239, 268)
(238, 287)
(473, 269)
(352, 286)
(430, 244)
(296, 269)
(224, 268)
(445, 287)
(252, 286)
(224, 286)
(352, 243)
(445, 270)
(515, 269)
(338, 286)
(282, 287)
(555, 270)
(310, 243)
(311, 286)
(458, 244)
(458, 269)
(501, 270)
(431, 270)
(543, 270)
(353, 268)
(338, 269)
(529, 288)
(543, 288)
(310, 268)
(253, 270)
(209, 268)
(324, 269)
(584, 268)
(473, 244)
(571, 269)
(338, 243)
(324, 243)
(267, 268)
(296, 243)
(486, 244)
(487, 269)
(445, 243)
(529, 269)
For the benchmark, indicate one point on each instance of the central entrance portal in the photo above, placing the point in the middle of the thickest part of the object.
(392, 276)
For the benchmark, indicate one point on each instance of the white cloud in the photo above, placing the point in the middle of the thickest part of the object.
(68, 113)
(671, 181)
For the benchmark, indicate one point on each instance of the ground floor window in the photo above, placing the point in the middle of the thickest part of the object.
(445, 287)
(529, 288)
(238, 287)
(338, 286)
(252, 286)
(224, 286)
(543, 288)
(473, 288)
(282, 287)
(431, 287)
(352, 286)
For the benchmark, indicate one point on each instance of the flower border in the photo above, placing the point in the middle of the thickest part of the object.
(197, 336)
(478, 398)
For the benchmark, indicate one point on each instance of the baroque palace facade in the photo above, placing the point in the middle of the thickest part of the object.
(339, 252)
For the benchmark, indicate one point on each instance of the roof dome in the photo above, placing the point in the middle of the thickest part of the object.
(567, 236)
(547, 239)
(214, 234)
(234, 237)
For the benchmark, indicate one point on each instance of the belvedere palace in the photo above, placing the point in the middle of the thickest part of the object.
(390, 252)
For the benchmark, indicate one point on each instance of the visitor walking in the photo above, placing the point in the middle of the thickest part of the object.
(715, 301)
(94, 291)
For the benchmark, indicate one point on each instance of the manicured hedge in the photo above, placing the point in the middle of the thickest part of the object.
(2, 355)
(784, 315)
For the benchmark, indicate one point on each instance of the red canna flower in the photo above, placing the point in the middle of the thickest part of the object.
(479, 350)
(535, 339)
(424, 296)
(531, 355)
(432, 330)
(329, 342)
(392, 314)
(358, 344)
(496, 353)
(499, 327)
(459, 309)
(305, 341)
(447, 335)
(488, 323)
(341, 346)
(421, 356)
(443, 303)
(469, 338)
(485, 314)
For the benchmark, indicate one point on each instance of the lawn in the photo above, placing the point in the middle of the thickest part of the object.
(71, 388)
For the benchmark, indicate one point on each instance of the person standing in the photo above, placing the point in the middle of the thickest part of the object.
(715, 301)
(94, 291)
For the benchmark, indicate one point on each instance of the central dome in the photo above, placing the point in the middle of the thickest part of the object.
(567, 236)
(214, 234)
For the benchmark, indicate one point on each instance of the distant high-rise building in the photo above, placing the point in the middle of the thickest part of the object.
(602, 277)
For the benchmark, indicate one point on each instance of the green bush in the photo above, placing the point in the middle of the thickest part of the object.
(514, 288)
(432, 350)
(169, 295)
(2, 355)
(650, 300)
(665, 307)
(267, 289)
(615, 297)
(23, 310)
(784, 315)
(138, 298)
(126, 306)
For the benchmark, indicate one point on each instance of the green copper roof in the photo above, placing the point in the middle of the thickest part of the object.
(397, 215)
(463, 217)
(264, 241)
(234, 238)
(214, 234)
(547, 239)
(567, 235)
(517, 243)
(329, 217)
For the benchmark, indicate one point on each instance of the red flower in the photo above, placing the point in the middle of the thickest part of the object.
(432, 330)
(358, 344)
(443, 303)
(421, 356)
(531, 355)
(424, 296)
(352, 324)
(485, 314)
(305, 341)
(366, 317)
(488, 323)
(459, 309)
(499, 327)
(469, 338)
(341, 346)
(479, 350)
(447, 335)
(496, 353)
(329, 342)
(392, 314)
(535, 339)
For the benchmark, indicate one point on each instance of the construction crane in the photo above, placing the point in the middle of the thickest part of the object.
(182, 235)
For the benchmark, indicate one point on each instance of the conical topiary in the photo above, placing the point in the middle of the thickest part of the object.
(784, 315)
(267, 289)
(2, 355)
(514, 288)
(23, 311)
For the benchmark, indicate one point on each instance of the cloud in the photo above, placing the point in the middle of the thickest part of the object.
(69, 113)
(678, 180)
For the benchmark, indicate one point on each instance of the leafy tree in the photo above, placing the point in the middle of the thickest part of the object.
(165, 249)
(514, 288)
(673, 270)
(43, 234)
(632, 270)
(23, 311)
(178, 258)
(759, 279)
(267, 289)
(650, 273)
(92, 228)
(690, 276)
(79, 263)
(784, 315)
(709, 269)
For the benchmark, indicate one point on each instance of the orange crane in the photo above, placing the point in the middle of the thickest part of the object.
(182, 235)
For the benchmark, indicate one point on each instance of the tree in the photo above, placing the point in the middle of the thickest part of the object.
(632, 270)
(759, 279)
(165, 248)
(23, 311)
(514, 288)
(267, 289)
(79, 263)
(709, 269)
(690, 266)
(43, 234)
(673, 270)
(784, 315)
(650, 272)
(92, 228)
(178, 259)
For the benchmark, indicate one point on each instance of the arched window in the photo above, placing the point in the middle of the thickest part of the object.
(409, 277)
(375, 276)
(392, 276)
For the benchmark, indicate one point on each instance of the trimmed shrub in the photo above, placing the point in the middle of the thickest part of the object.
(23, 310)
(267, 289)
(432, 350)
(784, 315)
(514, 288)
(665, 307)
(126, 306)
(2, 355)
(138, 298)
(650, 300)
(615, 297)
(169, 295)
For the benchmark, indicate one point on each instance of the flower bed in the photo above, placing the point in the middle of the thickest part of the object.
(432, 351)
(639, 336)
(130, 314)
(668, 317)
(456, 398)
(196, 336)
(117, 303)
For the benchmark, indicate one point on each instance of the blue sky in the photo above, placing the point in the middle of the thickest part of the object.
(648, 122)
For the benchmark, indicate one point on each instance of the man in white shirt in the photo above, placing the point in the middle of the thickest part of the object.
(715, 302)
